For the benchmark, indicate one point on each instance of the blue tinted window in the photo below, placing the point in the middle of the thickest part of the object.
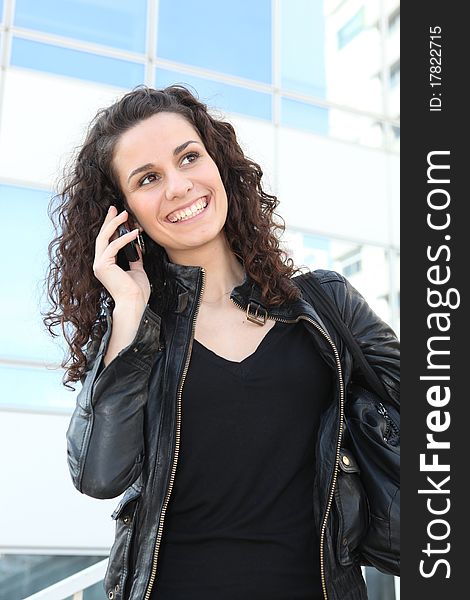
(352, 28)
(394, 77)
(35, 388)
(22, 575)
(302, 47)
(304, 116)
(226, 97)
(229, 37)
(1, 11)
(24, 252)
(394, 21)
(117, 23)
(82, 65)
(317, 251)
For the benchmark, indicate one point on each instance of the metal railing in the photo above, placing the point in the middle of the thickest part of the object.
(74, 585)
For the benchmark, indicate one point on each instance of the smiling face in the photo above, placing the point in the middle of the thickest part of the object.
(172, 185)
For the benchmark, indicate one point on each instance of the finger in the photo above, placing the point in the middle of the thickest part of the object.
(113, 216)
(108, 229)
(113, 248)
(110, 214)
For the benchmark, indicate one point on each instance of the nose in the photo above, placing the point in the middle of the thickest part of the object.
(177, 185)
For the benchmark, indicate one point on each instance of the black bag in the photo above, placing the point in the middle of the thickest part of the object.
(371, 441)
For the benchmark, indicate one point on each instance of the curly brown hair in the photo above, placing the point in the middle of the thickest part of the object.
(89, 187)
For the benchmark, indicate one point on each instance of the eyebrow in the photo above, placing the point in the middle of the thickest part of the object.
(176, 151)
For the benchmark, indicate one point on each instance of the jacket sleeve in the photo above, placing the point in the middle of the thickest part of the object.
(105, 441)
(377, 340)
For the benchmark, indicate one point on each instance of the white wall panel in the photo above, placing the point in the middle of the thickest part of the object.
(257, 140)
(337, 188)
(40, 507)
(393, 190)
(43, 118)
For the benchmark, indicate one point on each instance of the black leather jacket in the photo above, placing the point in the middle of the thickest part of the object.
(124, 433)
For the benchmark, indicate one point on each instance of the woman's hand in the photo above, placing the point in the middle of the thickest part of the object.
(126, 287)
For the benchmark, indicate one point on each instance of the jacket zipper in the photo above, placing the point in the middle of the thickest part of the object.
(153, 571)
(340, 434)
(391, 428)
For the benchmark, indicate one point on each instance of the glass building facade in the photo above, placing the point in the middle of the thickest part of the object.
(312, 87)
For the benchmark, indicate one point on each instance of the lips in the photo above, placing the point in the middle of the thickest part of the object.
(188, 212)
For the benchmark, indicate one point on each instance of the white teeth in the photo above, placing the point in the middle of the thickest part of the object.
(190, 211)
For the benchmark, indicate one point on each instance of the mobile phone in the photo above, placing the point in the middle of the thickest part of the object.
(129, 250)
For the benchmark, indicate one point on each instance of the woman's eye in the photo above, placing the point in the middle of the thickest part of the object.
(190, 157)
(153, 177)
(150, 178)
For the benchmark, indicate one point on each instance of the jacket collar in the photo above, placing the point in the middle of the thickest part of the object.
(247, 295)
(187, 281)
(188, 277)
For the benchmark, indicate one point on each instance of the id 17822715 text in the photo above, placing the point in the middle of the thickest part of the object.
(435, 68)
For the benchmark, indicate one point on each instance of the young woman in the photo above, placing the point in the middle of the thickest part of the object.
(212, 393)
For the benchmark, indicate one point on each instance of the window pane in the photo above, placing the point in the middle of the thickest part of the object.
(395, 138)
(306, 249)
(24, 574)
(302, 47)
(351, 28)
(394, 75)
(49, 392)
(233, 37)
(219, 95)
(82, 65)
(379, 585)
(117, 23)
(340, 124)
(1, 11)
(366, 266)
(332, 50)
(356, 128)
(23, 335)
(304, 116)
(394, 21)
(353, 54)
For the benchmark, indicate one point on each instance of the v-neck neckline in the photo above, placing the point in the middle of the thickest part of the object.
(234, 363)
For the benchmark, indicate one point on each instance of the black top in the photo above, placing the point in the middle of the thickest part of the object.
(239, 525)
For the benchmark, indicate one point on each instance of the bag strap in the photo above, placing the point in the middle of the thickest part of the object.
(314, 293)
